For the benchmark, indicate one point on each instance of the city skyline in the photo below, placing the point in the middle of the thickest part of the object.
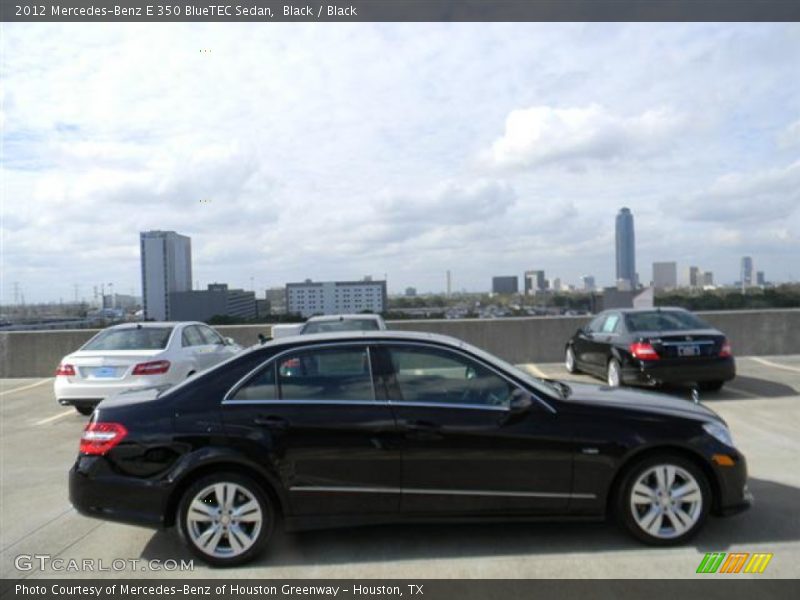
(331, 165)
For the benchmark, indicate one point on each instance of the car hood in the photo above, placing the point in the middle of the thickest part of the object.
(639, 401)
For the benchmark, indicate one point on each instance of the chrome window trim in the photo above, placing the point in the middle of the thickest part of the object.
(438, 492)
(477, 359)
(370, 403)
(227, 398)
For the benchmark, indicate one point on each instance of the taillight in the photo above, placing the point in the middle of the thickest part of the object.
(99, 438)
(65, 371)
(156, 367)
(726, 351)
(643, 351)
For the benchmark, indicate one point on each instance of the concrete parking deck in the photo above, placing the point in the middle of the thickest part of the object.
(38, 443)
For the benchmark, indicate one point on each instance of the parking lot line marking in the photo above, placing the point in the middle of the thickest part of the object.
(66, 413)
(25, 387)
(774, 365)
(535, 370)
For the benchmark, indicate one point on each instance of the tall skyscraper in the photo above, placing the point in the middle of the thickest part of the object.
(166, 268)
(693, 275)
(626, 248)
(535, 282)
(665, 275)
(589, 284)
(746, 276)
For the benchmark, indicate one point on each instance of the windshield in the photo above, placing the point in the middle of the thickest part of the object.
(135, 338)
(663, 320)
(342, 325)
(540, 385)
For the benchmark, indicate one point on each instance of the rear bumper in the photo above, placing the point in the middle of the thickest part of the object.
(73, 392)
(679, 371)
(97, 492)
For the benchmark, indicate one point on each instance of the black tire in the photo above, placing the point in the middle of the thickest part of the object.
(624, 509)
(85, 410)
(261, 538)
(710, 386)
(613, 364)
(570, 363)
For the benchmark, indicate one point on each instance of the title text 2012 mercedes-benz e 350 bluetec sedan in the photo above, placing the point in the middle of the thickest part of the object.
(374, 427)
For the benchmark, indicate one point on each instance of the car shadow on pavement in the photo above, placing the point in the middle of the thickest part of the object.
(773, 518)
(741, 388)
(763, 387)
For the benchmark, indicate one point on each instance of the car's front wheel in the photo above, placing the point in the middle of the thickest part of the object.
(226, 519)
(569, 360)
(85, 410)
(663, 500)
(613, 373)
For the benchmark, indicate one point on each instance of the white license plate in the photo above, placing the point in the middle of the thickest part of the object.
(104, 372)
(689, 350)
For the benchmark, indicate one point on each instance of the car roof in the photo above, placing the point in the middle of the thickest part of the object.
(143, 324)
(646, 310)
(356, 336)
(348, 317)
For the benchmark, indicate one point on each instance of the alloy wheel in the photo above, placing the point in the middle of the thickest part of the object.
(224, 519)
(613, 373)
(569, 360)
(666, 501)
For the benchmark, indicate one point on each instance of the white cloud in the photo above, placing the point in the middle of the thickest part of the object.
(337, 150)
(791, 135)
(543, 135)
(754, 197)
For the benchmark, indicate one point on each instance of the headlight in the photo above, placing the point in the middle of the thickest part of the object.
(720, 432)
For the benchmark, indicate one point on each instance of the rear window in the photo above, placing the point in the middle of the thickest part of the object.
(146, 338)
(664, 321)
(343, 325)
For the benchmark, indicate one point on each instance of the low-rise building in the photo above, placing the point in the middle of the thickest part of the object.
(335, 297)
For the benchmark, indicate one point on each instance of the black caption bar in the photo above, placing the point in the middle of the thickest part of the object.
(712, 588)
(399, 10)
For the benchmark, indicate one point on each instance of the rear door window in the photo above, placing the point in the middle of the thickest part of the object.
(210, 336)
(611, 324)
(341, 373)
(192, 337)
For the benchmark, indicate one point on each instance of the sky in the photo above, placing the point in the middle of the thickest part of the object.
(334, 151)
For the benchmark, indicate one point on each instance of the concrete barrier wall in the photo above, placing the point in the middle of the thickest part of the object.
(519, 340)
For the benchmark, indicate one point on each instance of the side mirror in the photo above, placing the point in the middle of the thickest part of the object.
(229, 341)
(521, 402)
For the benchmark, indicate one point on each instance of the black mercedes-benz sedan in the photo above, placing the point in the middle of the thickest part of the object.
(376, 427)
(651, 347)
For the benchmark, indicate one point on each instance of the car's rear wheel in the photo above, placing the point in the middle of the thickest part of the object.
(663, 500)
(85, 410)
(710, 386)
(613, 373)
(569, 360)
(226, 519)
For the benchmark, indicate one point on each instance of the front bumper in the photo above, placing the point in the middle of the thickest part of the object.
(95, 491)
(679, 371)
(733, 494)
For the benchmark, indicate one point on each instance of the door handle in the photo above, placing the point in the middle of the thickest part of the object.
(272, 422)
(425, 426)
